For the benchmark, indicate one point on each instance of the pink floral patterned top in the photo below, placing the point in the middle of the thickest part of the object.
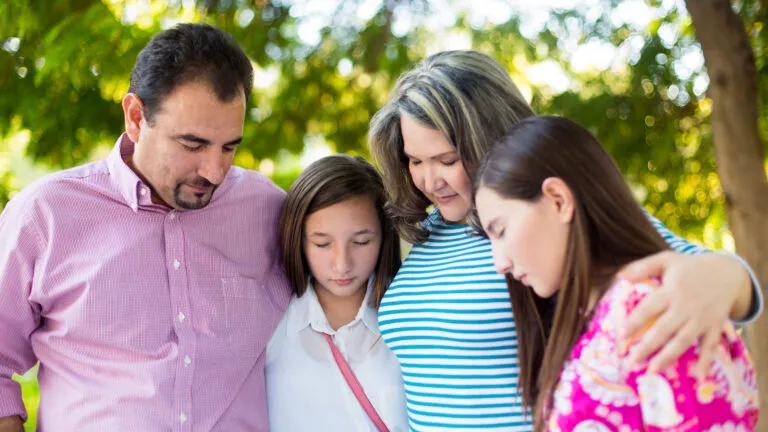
(600, 391)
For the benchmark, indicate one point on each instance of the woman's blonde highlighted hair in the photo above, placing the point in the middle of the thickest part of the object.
(467, 96)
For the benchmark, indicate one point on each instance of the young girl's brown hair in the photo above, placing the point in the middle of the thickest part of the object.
(609, 230)
(326, 182)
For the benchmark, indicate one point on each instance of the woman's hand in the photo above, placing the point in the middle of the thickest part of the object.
(698, 295)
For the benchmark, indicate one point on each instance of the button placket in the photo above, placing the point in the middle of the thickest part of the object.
(183, 327)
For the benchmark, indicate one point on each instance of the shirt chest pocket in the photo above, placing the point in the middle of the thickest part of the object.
(250, 316)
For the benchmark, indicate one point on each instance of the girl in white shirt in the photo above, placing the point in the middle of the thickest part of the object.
(340, 252)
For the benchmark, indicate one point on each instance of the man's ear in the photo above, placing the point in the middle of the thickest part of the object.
(133, 112)
(558, 192)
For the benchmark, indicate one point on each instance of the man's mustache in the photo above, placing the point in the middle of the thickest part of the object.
(200, 182)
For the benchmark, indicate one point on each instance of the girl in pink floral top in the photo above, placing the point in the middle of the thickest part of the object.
(563, 222)
(600, 390)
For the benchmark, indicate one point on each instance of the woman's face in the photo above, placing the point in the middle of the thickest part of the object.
(436, 169)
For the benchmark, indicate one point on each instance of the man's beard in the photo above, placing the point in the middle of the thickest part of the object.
(202, 198)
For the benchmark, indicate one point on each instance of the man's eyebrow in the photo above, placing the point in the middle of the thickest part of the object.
(234, 141)
(192, 138)
(203, 141)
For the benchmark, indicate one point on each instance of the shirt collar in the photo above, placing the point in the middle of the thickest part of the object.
(307, 312)
(132, 189)
(433, 218)
(369, 314)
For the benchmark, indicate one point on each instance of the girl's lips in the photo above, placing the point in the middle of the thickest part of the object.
(343, 282)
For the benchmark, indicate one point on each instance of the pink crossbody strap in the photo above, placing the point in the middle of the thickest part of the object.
(355, 386)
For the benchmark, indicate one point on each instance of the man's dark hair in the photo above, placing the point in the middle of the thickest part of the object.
(186, 53)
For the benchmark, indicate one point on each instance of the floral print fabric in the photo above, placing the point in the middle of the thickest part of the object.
(600, 391)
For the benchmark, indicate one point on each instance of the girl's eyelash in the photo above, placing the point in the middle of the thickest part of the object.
(325, 245)
(449, 163)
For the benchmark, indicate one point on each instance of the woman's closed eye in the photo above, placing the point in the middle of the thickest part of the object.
(363, 242)
(322, 245)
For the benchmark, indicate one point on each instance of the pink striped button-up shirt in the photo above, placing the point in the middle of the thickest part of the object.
(143, 318)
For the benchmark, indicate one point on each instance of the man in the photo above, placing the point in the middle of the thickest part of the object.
(147, 285)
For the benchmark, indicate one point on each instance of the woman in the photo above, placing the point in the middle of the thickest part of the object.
(447, 315)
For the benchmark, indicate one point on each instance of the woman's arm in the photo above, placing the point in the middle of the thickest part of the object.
(748, 302)
(673, 398)
(700, 292)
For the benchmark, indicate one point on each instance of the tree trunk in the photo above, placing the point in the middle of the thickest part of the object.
(738, 151)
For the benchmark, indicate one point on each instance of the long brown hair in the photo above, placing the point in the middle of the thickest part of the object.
(467, 96)
(609, 230)
(326, 182)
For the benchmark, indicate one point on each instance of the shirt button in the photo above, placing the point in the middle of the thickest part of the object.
(182, 418)
(172, 215)
(143, 191)
(176, 264)
(181, 317)
(187, 361)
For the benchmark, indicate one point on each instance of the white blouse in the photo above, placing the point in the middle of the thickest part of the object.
(305, 389)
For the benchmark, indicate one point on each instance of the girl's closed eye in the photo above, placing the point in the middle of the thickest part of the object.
(322, 245)
(363, 242)
(495, 233)
(450, 162)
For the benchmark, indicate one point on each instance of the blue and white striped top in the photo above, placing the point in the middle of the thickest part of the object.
(448, 320)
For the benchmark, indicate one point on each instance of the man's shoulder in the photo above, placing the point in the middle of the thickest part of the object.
(60, 184)
(81, 173)
(255, 184)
